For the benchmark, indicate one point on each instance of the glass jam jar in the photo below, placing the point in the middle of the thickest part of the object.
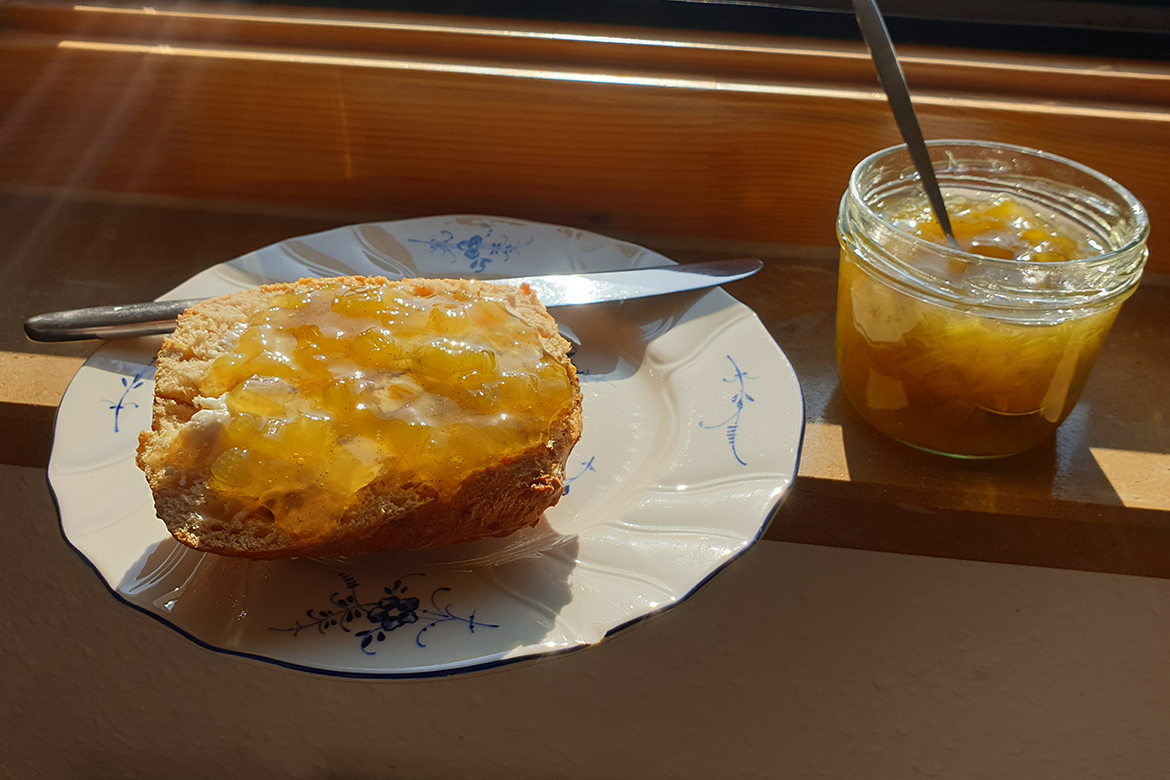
(984, 352)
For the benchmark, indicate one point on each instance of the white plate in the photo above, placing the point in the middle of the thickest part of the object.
(693, 424)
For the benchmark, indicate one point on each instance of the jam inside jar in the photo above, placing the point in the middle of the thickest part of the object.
(982, 352)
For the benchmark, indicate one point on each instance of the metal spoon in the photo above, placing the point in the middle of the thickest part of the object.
(893, 81)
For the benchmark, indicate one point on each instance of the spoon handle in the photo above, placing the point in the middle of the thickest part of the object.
(893, 81)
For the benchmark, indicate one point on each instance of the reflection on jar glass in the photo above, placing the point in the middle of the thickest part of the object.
(982, 352)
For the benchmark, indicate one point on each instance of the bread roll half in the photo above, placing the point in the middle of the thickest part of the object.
(358, 415)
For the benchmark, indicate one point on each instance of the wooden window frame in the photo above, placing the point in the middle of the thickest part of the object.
(641, 131)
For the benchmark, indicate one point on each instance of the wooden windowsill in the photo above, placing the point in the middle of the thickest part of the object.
(1096, 498)
(140, 147)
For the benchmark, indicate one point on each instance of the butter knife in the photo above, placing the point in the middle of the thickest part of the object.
(146, 319)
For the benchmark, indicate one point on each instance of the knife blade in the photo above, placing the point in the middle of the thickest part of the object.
(155, 317)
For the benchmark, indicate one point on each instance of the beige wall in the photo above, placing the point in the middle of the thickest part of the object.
(798, 661)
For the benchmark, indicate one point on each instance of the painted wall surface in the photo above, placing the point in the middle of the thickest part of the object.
(798, 661)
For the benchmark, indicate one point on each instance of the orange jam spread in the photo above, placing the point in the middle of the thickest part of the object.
(1001, 227)
(960, 382)
(328, 390)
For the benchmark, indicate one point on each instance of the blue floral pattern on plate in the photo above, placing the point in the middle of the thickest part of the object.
(479, 248)
(129, 385)
(731, 424)
(393, 610)
(587, 465)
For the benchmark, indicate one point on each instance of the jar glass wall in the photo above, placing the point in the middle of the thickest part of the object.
(983, 352)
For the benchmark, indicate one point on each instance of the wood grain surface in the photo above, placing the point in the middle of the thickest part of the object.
(1096, 497)
(709, 136)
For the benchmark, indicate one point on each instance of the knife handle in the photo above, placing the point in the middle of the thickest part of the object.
(107, 322)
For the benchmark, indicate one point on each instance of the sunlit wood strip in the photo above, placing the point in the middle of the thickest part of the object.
(1141, 479)
(31, 386)
(472, 69)
(594, 77)
(35, 380)
(666, 40)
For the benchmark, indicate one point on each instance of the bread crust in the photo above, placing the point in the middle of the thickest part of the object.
(493, 501)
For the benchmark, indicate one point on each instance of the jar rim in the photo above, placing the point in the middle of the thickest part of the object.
(1139, 237)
